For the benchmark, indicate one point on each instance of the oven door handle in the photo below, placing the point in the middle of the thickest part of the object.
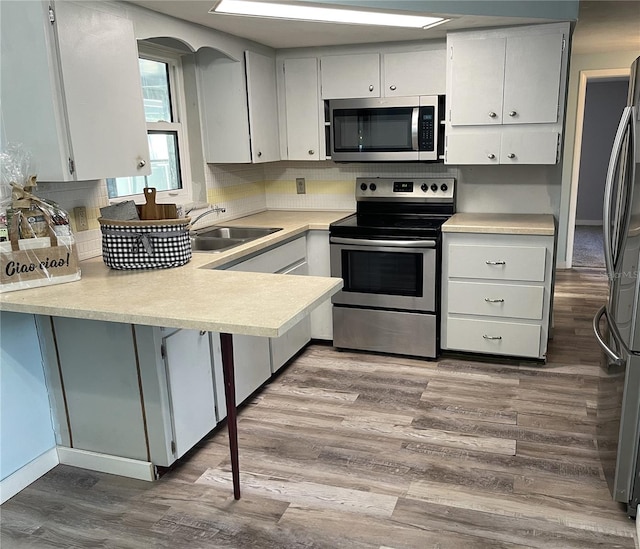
(384, 243)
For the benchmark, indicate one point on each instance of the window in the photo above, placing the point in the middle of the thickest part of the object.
(161, 75)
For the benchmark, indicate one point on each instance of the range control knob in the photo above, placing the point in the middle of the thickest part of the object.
(372, 187)
(424, 187)
(444, 187)
(363, 186)
(434, 187)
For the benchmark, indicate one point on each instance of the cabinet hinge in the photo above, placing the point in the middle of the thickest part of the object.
(451, 52)
(52, 15)
(173, 447)
(72, 165)
(564, 43)
(163, 351)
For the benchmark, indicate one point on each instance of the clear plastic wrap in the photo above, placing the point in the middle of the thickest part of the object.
(37, 247)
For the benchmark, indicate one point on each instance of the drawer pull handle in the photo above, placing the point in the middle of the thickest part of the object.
(495, 262)
(491, 337)
(489, 300)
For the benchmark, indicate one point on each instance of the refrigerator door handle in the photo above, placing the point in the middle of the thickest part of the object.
(609, 187)
(615, 358)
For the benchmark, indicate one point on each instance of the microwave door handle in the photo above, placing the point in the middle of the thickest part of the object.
(609, 187)
(415, 116)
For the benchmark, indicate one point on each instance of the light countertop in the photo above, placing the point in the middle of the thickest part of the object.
(525, 224)
(196, 295)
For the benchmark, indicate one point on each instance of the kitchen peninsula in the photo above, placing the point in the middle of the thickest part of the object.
(197, 296)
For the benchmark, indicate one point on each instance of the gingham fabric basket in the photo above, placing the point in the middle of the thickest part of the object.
(158, 244)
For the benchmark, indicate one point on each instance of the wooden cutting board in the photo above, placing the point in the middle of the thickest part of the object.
(153, 211)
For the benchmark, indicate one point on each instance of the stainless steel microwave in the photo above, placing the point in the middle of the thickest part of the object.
(387, 129)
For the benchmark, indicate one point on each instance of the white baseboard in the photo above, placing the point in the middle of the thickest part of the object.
(24, 476)
(105, 463)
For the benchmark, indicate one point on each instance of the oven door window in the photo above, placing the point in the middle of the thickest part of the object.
(372, 130)
(388, 273)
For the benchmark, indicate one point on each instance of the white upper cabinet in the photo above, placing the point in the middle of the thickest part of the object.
(477, 79)
(301, 109)
(238, 107)
(532, 79)
(414, 73)
(71, 91)
(505, 95)
(263, 107)
(223, 108)
(505, 80)
(350, 76)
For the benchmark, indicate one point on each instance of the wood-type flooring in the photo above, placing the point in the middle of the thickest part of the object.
(355, 450)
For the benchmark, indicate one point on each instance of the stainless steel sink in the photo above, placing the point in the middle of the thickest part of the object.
(214, 244)
(236, 232)
(220, 239)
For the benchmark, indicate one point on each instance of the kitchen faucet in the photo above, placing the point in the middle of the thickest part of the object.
(215, 209)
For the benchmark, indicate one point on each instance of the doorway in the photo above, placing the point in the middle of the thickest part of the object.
(601, 98)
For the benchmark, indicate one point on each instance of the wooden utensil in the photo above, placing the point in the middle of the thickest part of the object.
(153, 211)
(150, 210)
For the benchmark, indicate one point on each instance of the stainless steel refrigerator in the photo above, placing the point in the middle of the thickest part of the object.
(617, 323)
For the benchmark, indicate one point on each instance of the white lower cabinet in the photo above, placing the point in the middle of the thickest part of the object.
(496, 293)
(137, 392)
(288, 258)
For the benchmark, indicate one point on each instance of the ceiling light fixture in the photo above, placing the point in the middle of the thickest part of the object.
(322, 14)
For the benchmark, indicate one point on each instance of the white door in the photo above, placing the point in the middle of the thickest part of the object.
(103, 95)
(190, 386)
(350, 76)
(532, 79)
(529, 147)
(263, 107)
(302, 108)
(477, 74)
(481, 147)
(414, 73)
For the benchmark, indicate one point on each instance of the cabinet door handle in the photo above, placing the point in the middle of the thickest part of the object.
(203, 332)
(489, 300)
(392, 88)
(492, 114)
(488, 262)
(142, 163)
(485, 336)
(512, 113)
(311, 151)
(511, 155)
(371, 87)
(491, 156)
(259, 153)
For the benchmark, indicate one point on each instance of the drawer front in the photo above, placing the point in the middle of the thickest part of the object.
(500, 338)
(497, 262)
(505, 300)
(275, 260)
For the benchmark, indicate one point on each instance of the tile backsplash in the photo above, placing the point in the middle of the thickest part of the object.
(244, 189)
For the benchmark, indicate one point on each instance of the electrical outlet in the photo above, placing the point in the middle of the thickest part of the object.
(80, 215)
(300, 186)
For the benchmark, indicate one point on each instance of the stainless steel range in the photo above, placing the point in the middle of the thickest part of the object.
(389, 255)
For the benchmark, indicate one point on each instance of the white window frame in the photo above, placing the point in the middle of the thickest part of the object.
(178, 110)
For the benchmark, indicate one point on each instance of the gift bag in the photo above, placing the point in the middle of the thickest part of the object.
(41, 248)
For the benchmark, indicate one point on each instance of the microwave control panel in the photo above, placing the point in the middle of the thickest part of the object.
(426, 128)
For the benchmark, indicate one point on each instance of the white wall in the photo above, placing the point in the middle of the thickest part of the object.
(25, 418)
(603, 106)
